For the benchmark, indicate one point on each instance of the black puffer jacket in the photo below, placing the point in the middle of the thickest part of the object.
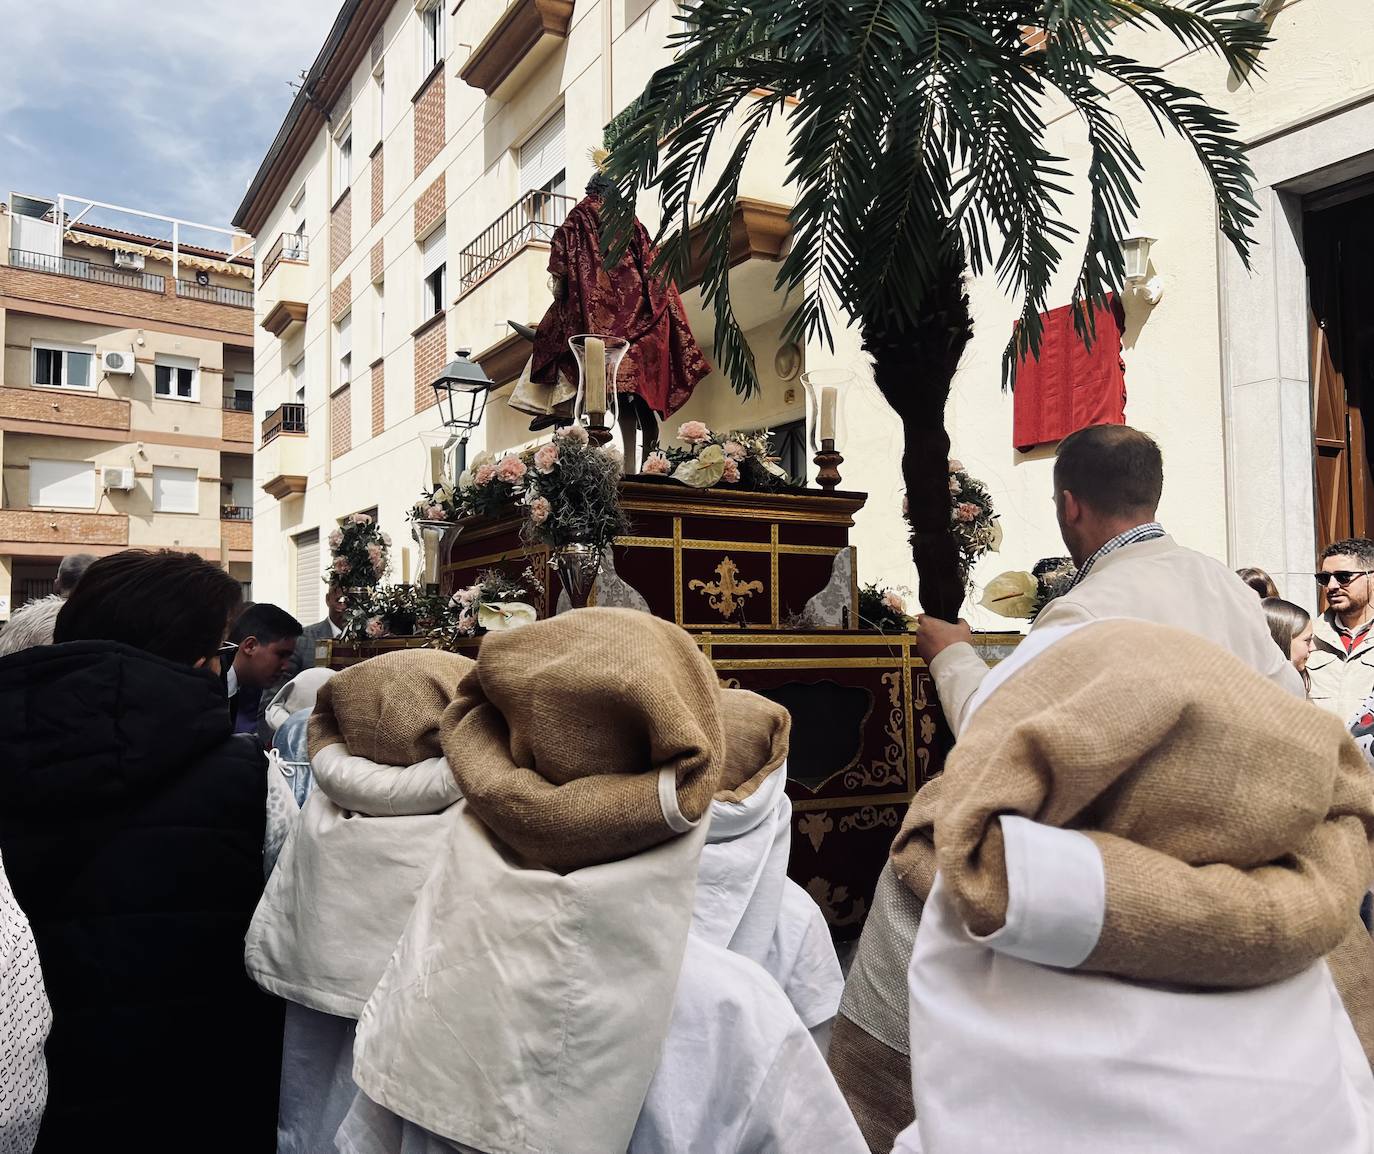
(131, 825)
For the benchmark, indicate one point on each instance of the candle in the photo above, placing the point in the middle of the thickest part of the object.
(405, 566)
(829, 398)
(594, 354)
(436, 465)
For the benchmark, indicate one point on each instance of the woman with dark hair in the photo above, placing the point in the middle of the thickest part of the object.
(1291, 628)
(132, 834)
(1259, 581)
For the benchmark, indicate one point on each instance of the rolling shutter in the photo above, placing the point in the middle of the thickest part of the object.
(308, 577)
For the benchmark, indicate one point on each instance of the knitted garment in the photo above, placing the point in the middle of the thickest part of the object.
(587, 737)
(1233, 820)
(388, 708)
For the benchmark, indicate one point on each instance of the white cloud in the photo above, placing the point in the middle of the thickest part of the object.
(171, 103)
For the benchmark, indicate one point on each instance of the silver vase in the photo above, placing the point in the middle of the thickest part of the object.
(577, 566)
(434, 538)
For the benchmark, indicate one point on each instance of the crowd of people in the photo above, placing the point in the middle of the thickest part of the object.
(537, 903)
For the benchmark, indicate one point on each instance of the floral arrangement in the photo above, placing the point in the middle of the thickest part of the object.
(972, 519)
(571, 492)
(361, 553)
(489, 487)
(491, 604)
(883, 609)
(737, 459)
(1021, 594)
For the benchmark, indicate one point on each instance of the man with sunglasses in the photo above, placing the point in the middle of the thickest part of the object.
(1342, 664)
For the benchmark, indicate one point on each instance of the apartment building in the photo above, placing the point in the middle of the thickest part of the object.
(404, 211)
(125, 389)
(404, 207)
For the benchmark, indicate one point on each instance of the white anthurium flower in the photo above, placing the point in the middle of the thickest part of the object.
(995, 543)
(498, 615)
(705, 470)
(465, 480)
(1011, 594)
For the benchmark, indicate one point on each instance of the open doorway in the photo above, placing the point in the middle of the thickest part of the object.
(1338, 247)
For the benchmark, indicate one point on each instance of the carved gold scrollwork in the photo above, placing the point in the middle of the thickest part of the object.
(889, 771)
(814, 826)
(832, 898)
(927, 729)
(725, 594)
(871, 817)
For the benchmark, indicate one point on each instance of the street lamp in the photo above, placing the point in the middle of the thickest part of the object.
(1135, 253)
(461, 392)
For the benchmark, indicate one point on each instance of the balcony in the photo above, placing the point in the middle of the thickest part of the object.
(215, 294)
(524, 35)
(44, 532)
(64, 407)
(236, 530)
(86, 270)
(235, 403)
(284, 458)
(285, 287)
(236, 512)
(530, 220)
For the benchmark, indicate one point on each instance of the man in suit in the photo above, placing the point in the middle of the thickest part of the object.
(330, 629)
(266, 637)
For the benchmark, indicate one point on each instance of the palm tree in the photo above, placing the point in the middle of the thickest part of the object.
(917, 152)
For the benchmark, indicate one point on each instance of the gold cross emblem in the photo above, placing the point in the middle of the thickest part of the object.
(726, 593)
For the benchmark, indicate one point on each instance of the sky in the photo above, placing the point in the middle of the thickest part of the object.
(162, 105)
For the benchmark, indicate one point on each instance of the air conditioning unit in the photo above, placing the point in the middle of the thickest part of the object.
(117, 361)
(118, 477)
(130, 260)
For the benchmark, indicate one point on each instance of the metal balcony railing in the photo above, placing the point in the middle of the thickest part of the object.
(283, 419)
(534, 216)
(86, 270)
(216, 294)
(235, 512)
(238, 404)
(289, 246)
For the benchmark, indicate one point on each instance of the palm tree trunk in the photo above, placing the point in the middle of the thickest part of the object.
(913, 367)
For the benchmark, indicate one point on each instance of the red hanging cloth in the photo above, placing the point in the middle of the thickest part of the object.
(1069, 386)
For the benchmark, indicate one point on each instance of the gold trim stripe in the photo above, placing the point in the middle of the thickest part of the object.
(677, 570)
(807, 662)
(730, 546)
(773, 574)
(856, 801)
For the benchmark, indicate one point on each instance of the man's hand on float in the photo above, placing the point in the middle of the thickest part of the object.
(934, 636)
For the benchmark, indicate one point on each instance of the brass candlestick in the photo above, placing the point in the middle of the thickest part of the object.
(828, 462)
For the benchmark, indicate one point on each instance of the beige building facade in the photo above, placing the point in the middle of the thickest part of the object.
(404, 209)
(125, 394)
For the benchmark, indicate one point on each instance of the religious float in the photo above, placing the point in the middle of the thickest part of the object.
(709, 534)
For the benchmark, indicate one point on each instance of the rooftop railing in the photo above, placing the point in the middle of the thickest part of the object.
(87, 270)
(215, 294)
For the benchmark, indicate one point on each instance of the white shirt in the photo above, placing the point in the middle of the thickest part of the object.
(231, 682)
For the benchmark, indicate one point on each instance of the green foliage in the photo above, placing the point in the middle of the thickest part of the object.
(919, 134)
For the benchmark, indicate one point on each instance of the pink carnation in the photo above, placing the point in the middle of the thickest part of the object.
(694, 431)
(467, 623)
(731, 474)
(341, 565)
(656, 464)
(336, 538)
(484, 474)
(386, 540)
(545, 458)
(954, 485)
(468, 595)
(892, 601)
(510, 469)
(375, 628)
(540, 510)
(435, 513)
(735, 450)
(955, 466)
(361, 519)
(965, 511)
(374, 556)
(576, 434)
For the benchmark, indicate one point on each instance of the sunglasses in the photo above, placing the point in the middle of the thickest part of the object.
(1343, 576)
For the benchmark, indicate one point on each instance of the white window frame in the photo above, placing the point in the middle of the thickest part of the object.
(296, 373)
(379, 99)
(432, 33)
(87, 466)
(167, 361)
(65, 350)
(343, 331)
(158, 498)
(343, 159)
(379, 311)
(433, 274)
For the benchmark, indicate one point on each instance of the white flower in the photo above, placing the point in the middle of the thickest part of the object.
(703, 472)
(1011, 594)
(499, 615)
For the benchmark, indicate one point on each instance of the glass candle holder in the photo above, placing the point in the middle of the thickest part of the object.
(827, 391)
(598, 363)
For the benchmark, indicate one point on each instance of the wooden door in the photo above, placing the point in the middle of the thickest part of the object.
(1331, 436)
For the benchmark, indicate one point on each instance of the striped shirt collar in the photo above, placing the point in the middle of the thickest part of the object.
(1146, 532)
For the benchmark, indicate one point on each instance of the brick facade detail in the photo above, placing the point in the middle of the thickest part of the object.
(378, 185)
(341, 299)
(341, 232)
(64, 407)
(378, 262)
(378, 398)
(429, 122)
(237, 426)
(429, 359)
(32, 525)
(429, 207)
(137, 304)
(341, 422)
(236, 535)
